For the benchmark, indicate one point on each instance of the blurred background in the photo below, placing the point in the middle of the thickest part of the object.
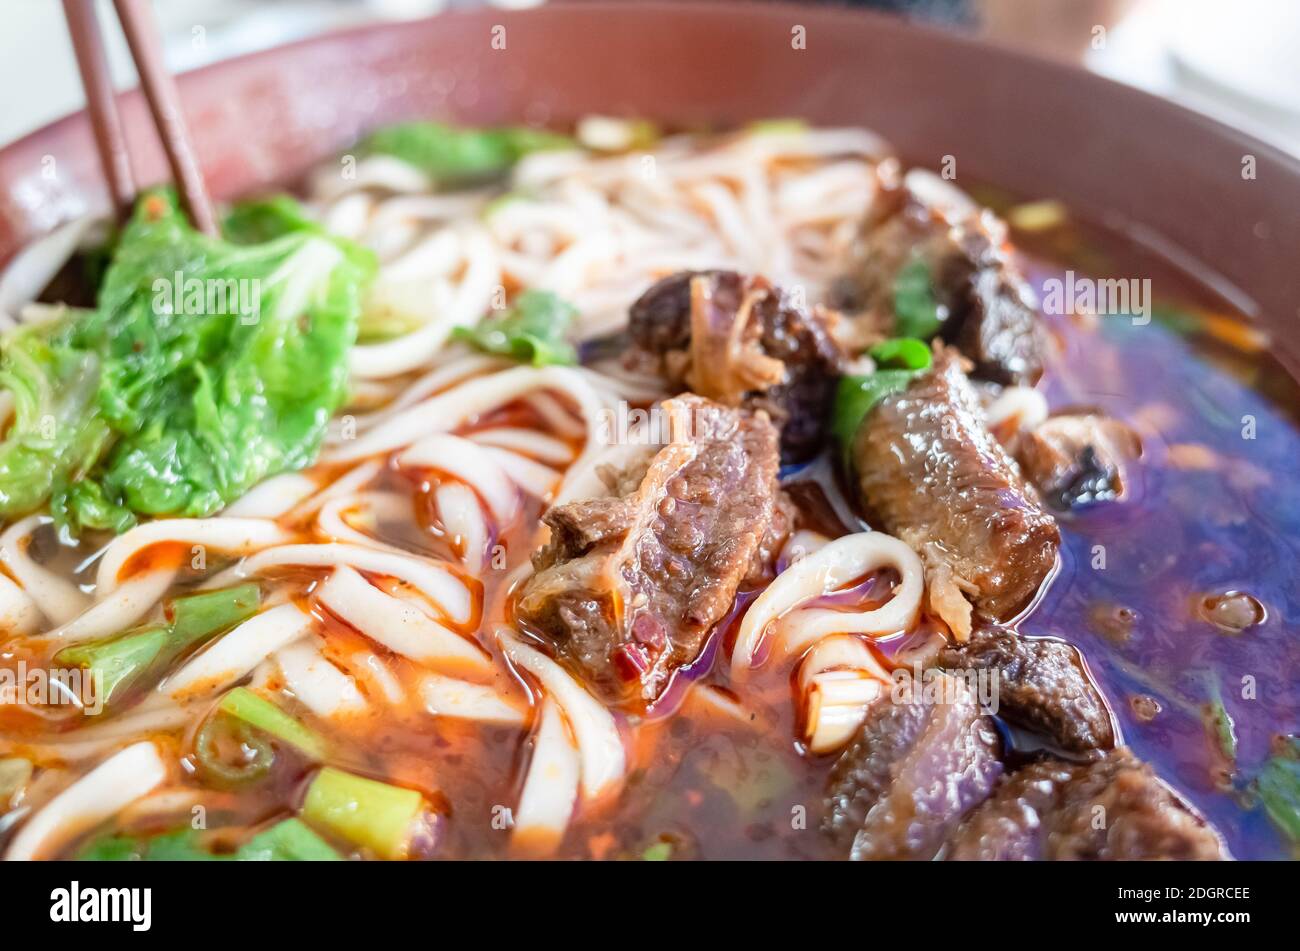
(1238, 60)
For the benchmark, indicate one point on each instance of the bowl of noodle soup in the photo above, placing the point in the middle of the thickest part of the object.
(440, 552)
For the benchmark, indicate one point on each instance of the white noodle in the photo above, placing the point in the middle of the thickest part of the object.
(599, 743)
(375, 671)
(118, 610)
(527, 442)
(830, 567)
(231, 535)
(19, 614)
(435, 581)
(396, 624)
(272, 497)
(471, 464)
(57, 597)
(321, 687)
(112, 785)
(551, 787)
(462, 519)
(446, 411)
(235, 654)
(1024, 404)
(838, 679)
(460, 699)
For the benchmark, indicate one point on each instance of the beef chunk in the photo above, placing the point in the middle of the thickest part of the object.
(740, 341)
(930, 472)
(986, 308)
(1076, 459)
(1111, 809)
(629, 586)
(1042, 685)
(919, 762)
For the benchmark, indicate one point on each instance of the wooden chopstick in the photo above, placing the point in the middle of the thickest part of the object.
(101, 101)
(141, 31)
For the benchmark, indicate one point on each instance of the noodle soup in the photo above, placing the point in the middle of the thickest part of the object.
(602, 556)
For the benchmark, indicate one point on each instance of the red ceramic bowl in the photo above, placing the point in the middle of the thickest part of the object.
(1169, 177)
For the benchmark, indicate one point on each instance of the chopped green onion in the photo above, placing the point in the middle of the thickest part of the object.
(198, 616)
(112, 848)
(120, 662)
(216, 735)
(858, 395)
(916, 312)
(659, 852)
(1278, 786)
(364, 811)
(1219, 723)
(246, 706)
(289, 841)
(117, 663)
(902, 353)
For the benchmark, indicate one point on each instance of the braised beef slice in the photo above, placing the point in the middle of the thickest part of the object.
(1078, 458)
(740, 341)
(1042, 685)
(987, 308)
(930, 473)
(628, 587)
(1114, 808)
(920, 761)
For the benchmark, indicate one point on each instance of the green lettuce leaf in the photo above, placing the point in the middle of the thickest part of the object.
(531, 331)
(452, 156)
(207, 365)
(56, 435)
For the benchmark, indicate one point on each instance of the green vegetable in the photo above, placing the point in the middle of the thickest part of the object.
(117, 663)
(856, 396)
(198, 616)
(363, 811)
(265, 219)
(531, 331)
(290, 840)
(1278, 786)
(219, 734)
(452, 156)
(900, 359)
(129, 659)
(115, 848)
(242, 704)
(902, 353)
(206, 366)
(1219, 724)
(56, 436)
(776, 126)
(659, 852)
(916, 312)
